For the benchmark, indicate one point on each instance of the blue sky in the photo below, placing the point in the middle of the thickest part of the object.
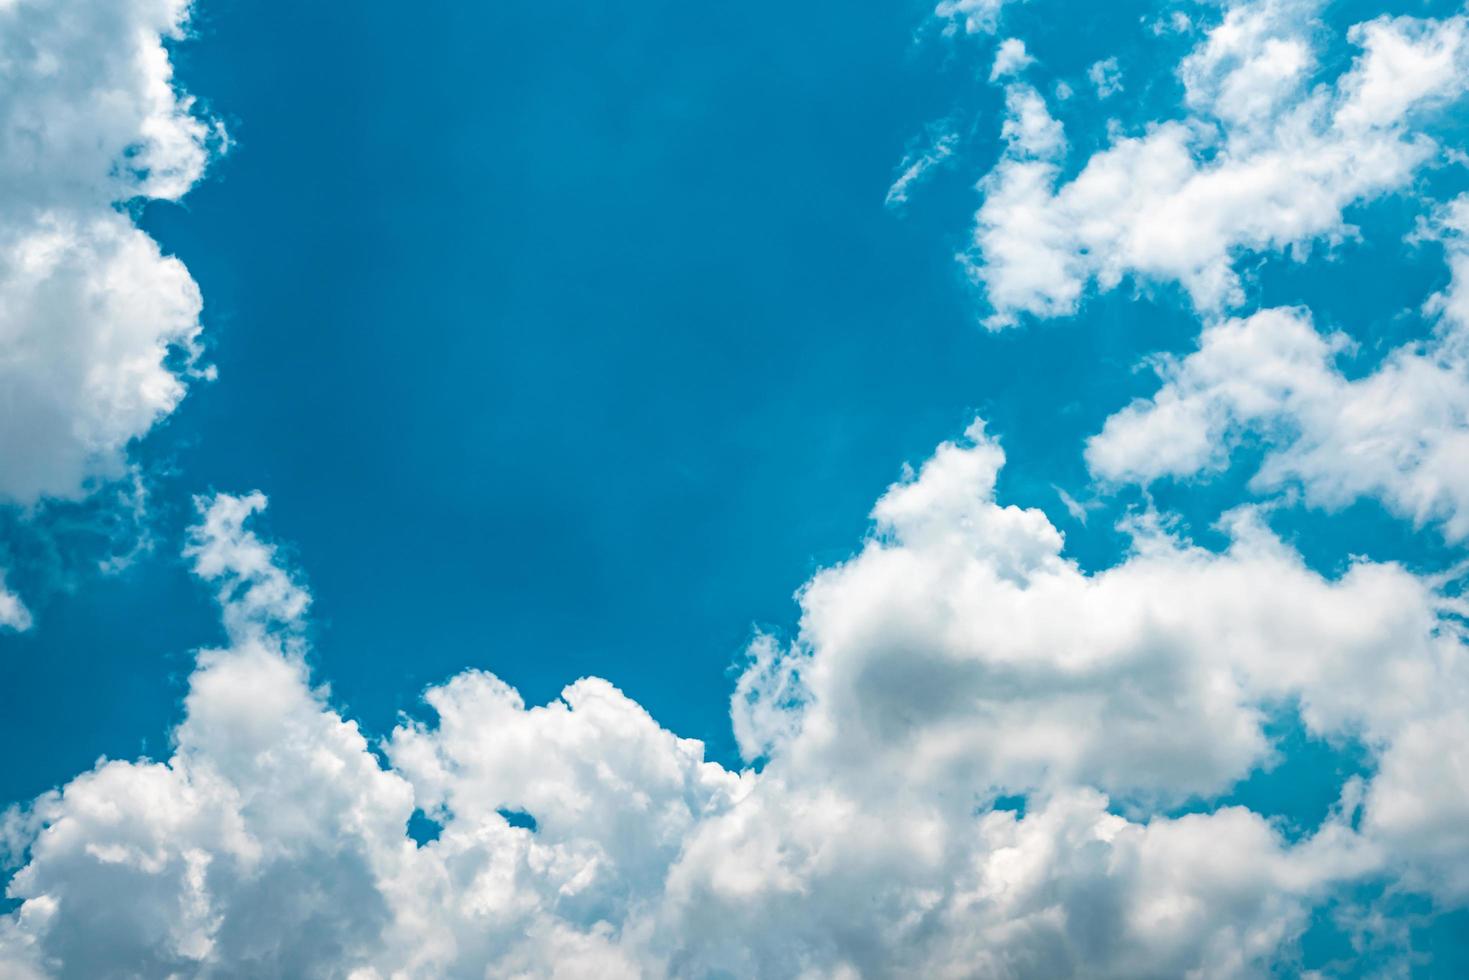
(613, 344)
(606, 368)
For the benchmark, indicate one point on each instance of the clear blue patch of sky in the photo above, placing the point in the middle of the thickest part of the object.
(1371, 930)
(1302, 783)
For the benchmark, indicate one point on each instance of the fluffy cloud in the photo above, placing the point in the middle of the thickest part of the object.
(958, 658)
(95, 321)
(273, 841)
(1262, 162)
(1011, 58)
(1399, 433)
(970, 16)
(941, 650)
(1105, 77)
(973, 756)
(13, 612)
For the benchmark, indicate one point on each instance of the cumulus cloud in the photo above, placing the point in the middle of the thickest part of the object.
(970, 16)
(273, 841)
(958, 660)
(1262, 161)
(99, 327)
(1399, 433)
(1011, 58)
(973, 756)
(937, 649)
(13, 612)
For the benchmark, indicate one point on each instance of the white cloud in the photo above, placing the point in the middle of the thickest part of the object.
(13, 612)
(1247, 371)
(273, 842)
(1076, 508)
(1253, 64)
(1011, 58)
(918, 164)
(1105, 77)
(1399, 433)
(1262, 163)
(960, 657)
(89, 308)
(939, 648)
(972, 16)
(1029, 130)
(1026, 240)
(957, 657)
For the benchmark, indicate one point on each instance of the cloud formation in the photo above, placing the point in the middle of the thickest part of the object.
(919, 163)
(970, 16)
(273, 841)
(1263, 161)
(99, 327)
(1399, 433)
(957, 662)
(973, 757)
(13, 612)
(1105, 77)
(1011, 58)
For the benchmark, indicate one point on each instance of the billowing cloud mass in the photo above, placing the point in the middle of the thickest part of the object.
(970, 16)
(1011, 58)
(957, 662)
(973, 757)
(13, 612)
(1399, 433)
(1263, 161)
(96, 323)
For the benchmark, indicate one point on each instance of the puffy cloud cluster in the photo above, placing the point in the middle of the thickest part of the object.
(958, 661)
(273, 842)
(93, 317)
(13, 612)
(1399, 433)
(960, 658)
(1263, 161)
(1106, 77)
(972, 759)
(1011, 58)
(970, 16)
